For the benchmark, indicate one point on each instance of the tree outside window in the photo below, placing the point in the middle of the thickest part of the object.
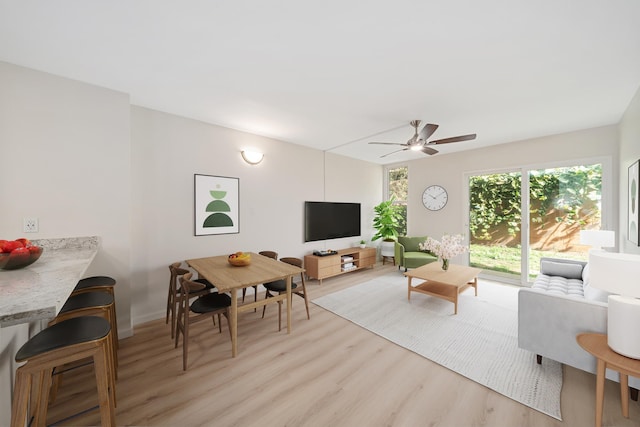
(398, 179)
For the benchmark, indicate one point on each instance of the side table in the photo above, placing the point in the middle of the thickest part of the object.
(596, 345)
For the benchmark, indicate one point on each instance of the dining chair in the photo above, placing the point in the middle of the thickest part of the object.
(205, 306)
(280, 287)
(270, 254)
(174, 292)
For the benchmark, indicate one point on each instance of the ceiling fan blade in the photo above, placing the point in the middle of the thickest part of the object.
(454, 139)
(427, 131)
(388, 143)
(428, 150)
(388, 154)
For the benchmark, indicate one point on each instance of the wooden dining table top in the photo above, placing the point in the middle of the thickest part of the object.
(225, 276)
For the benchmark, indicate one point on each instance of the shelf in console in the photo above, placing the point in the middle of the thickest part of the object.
(322, 267)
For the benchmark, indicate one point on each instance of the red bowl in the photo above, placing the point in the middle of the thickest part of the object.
(14, 261)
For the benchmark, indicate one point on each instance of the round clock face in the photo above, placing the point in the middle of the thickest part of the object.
(434, 197)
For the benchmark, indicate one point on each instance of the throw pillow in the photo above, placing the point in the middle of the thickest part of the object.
(585, 275)
(594, 294)
(563, 269)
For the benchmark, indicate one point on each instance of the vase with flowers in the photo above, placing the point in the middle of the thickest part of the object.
(445, 249)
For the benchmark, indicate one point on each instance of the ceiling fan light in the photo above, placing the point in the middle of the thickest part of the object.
(416, 147)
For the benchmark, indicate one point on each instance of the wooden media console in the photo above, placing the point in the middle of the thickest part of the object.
(345, 261)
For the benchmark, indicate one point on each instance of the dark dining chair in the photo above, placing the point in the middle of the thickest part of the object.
(204, 307)
(270, 254)
(280, 287)
(173, 297)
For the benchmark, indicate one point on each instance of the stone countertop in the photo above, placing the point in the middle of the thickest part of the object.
(39, 290)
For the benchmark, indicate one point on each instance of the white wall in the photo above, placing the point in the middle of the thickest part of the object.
(350, 180)
(166, 153)
(65, 148)
(86, 162)
(65, 159)
(629, 153)
(449, 171)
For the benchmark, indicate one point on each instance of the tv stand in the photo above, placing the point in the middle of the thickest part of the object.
(344, 261)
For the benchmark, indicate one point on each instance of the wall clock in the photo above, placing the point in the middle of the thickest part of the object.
(434, 197)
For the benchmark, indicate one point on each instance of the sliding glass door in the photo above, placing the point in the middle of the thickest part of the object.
(563, 201)
(495, 216)
(558, 202)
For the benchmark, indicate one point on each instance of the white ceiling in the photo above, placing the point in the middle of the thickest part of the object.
(337, 74)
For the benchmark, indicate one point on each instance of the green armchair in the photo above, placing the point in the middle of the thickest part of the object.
(407, 254)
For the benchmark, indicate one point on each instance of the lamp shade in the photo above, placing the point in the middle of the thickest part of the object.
(617, 273)
(623, 334)
(598, 238)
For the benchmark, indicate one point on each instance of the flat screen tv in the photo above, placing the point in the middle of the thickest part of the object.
(330, 220)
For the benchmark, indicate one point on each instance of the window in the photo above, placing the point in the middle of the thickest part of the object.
(559, 201)
(398, 188)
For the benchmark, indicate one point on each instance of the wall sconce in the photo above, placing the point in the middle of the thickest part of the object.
(252, 157)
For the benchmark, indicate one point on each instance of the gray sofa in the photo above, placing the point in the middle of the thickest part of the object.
(558, 306)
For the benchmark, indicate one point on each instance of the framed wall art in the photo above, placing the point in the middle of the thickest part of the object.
(633, 232)
(217, 205)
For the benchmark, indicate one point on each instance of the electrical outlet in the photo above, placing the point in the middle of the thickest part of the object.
(30, 225)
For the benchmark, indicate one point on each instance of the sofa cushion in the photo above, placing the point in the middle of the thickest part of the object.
(411, 243)
(419, 255)
(559, 285)
(585, 275)
(563, 269)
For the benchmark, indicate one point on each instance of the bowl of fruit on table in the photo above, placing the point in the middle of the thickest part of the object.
(240, 259)
(19, 253)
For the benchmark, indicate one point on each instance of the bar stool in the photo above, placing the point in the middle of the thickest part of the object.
(101, 284)
(62, 343)
(104, 282)
(99, 304)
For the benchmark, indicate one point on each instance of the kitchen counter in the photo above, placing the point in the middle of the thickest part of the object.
(29, 297)
(39, 290)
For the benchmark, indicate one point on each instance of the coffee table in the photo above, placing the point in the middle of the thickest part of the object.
(443, 284)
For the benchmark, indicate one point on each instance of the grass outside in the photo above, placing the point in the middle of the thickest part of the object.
(507, 260)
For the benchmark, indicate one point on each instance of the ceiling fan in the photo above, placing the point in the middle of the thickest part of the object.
(418, 142)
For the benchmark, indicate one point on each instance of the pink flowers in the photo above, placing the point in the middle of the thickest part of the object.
(447, 248)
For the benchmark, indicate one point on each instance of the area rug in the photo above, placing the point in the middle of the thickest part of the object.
(480, 342)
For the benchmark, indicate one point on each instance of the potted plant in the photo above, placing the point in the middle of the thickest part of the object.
(386, 221)
(363, 243)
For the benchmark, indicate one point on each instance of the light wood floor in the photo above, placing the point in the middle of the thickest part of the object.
(328, 372)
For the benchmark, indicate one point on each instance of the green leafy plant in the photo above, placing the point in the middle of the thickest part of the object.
(399, 188)
(563, 195)
(387, 220)
(363, 242)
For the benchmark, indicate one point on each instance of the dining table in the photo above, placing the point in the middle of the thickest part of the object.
(228, 278)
